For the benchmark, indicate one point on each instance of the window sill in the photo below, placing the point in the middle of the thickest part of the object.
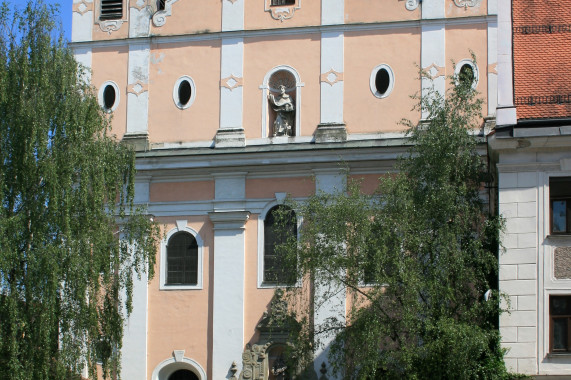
(559, 355)
(180, 287)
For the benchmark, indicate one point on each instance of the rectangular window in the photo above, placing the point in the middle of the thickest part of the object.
(282, 2)
(559, 323)
(111, 10)
(560, 204)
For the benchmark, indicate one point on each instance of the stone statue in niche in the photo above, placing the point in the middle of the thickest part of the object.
(285, 113)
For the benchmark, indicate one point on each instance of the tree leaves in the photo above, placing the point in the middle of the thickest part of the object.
(66, 265)
(415, 259)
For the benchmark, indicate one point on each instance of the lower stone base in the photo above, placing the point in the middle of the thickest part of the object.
(330, 132)
(139, 141)
(230, 137)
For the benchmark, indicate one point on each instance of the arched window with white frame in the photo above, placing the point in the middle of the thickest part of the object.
(181, 259)
(279, 227)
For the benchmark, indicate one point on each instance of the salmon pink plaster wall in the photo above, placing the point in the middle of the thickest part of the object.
(460, 40)
(255, 17)
(369, 183)
(263, 54)
(181, 191)
(398, 48)
(168, 123)
(192, 17)
(359, 11)
(268, 187)
(102, 71)
(170, 311)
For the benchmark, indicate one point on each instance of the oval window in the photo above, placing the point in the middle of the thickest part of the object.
(466, 73)
(109, 97)
(382, 81)
(184, 92)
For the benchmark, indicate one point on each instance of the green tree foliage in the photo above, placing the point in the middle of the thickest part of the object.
(65, 276)
(425, 246)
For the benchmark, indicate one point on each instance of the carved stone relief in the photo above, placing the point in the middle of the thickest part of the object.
(254, 363)
(411, 5)
(466, 3)
(281, 12)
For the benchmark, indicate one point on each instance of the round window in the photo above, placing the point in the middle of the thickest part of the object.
(109, 96)
(467, 72)
(184, 92)
(382, 81)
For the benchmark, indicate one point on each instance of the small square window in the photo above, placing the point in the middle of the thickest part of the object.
(559, 324)
(560, 204)
(282, 2)
(111, 10)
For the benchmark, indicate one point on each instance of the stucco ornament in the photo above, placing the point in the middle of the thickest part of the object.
(110, 26)
(160, 17)
(254, 363)
(411, 5)
(281, 12)
(466, 3)
(285, 113)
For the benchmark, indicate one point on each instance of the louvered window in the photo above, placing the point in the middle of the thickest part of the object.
(111, 9)
(282, 2)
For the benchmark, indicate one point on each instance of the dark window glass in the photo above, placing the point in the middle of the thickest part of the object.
(559, 315)
(280, 226)
(161, 5)
(466, 74)
(184, 92)
(182, 260)
(111, 9)
(382, 81)
(282, 2)
(109, 97)
(560, 204)
(183, 374)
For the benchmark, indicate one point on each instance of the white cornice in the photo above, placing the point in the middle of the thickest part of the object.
(345, 28)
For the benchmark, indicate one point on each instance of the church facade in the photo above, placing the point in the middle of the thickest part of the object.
(235, 105)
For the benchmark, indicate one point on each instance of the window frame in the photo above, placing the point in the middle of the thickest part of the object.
(471, 63)
(552, 325)
(175, 92)
(122, 17)
(566, 198)
(101, 99)
(373, 78)
(262, 284)
(181, 227)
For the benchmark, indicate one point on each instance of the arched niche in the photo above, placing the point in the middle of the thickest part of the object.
(277, 77)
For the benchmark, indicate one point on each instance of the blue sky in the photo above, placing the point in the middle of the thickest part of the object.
(64, 14)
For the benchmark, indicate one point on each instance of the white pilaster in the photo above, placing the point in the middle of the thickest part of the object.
(492, 67)
(231, 73)
(139, 21)
(232, 15)
(83, 57)
(228, 309)
(137, 93)
(328, 181)
(332, 77)
(432, 9)
(134, 351)
(332, 12)
(82, 20)
(229, 219)
(506, 112)
(433, 54)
